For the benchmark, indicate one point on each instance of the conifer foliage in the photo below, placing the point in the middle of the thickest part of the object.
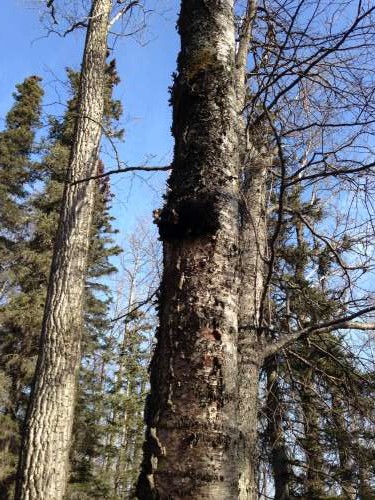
(17, 172)
(22, 308)
(16, 149)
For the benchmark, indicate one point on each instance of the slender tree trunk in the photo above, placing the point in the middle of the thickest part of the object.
(365, 490)
(279, 457)
(43, 466)
(254, 158)
(253, 246)
(345, 447)
(123, 450)
(121, 420)
(312, 440)
(190, 449)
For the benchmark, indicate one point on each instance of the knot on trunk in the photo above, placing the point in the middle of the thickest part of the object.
(190, 218)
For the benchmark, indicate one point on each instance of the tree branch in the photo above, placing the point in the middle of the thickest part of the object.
(245, 32)
(122, 12)
(142, 168)
(344, 322)
(137, 306)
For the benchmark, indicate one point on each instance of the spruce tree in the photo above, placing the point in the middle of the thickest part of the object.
(87, 431)
(16, 148)
(17, 173)
(317, 411)
(22, 314)
(127, 377)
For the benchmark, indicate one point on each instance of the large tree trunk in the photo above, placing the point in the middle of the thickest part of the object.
(44, 461)
(190, 449)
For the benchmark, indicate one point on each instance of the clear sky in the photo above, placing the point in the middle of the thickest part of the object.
(145, 70)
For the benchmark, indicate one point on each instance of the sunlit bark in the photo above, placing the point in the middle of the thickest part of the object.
(43, 466)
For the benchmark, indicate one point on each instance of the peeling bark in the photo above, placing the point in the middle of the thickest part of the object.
(43, 465)
(190, 449)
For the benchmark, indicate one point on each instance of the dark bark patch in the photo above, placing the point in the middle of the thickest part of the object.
(192, 218)
(208, 361)
(209, 334)
(192, 440)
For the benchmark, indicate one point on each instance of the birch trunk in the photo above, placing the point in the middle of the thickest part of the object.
(190, 449)
(43, 468)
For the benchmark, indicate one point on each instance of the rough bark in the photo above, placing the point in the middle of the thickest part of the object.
(43, 465)
(253, 243)
(366, 490)
(190, 449)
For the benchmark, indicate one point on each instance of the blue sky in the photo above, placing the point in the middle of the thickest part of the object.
(145, 70)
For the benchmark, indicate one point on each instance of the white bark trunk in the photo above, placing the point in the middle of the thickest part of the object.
(43, 466)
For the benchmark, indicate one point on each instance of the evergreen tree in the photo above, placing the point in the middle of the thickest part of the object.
(17, 172)
(87, 432)
(109, 424)
(128, 385)
(16, 148)
(22, 314)
(317, 406)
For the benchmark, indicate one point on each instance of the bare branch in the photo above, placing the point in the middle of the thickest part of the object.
(243, 46)
(138, 305)
(122, 12)
(343, 322)
(142, 168)
(50, 5)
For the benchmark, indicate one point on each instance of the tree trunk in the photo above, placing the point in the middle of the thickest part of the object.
(190, 449)
(254, 158)
(279, 457)
(366, 489)
(43, 465)
(344, 441)
(253, 248)
(314, 483)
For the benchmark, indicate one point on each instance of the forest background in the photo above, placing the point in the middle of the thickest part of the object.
(148, 56)
(145, 69)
